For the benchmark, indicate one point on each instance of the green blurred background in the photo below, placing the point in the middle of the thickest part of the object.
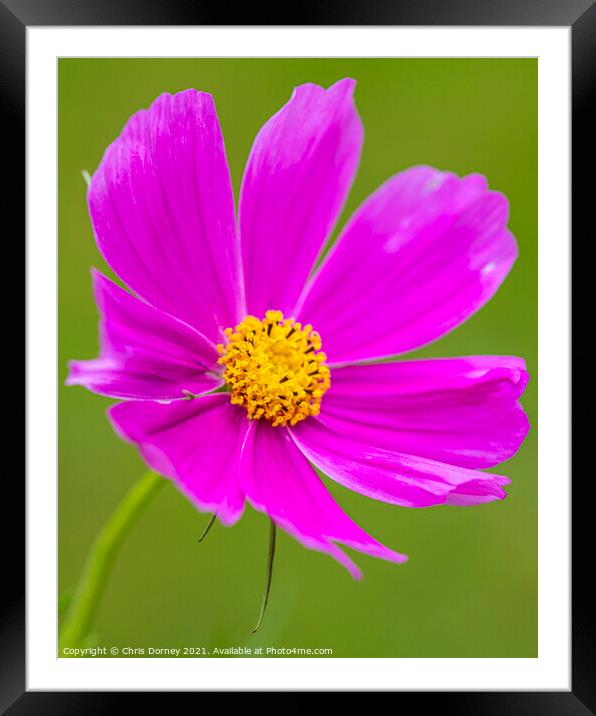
(470, 587)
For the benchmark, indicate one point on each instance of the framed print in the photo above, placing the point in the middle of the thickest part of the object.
(298, 355)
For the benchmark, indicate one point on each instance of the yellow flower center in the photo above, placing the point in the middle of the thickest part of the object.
(274, 367)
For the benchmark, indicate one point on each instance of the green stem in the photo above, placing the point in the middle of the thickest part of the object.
(268, 576)
(81, 612)
(209, 526)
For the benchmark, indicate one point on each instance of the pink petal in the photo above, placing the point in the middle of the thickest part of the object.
(298, 175)
(464, 411)
(163, 212)
(391, 476)
(278, 480)
(196, 443)
(422, 254)
(145, 353)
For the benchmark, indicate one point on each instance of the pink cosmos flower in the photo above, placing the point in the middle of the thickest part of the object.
(225, 386)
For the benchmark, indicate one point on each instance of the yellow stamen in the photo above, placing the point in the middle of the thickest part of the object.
(275, 368)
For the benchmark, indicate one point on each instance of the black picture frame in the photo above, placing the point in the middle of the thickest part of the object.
(580, 15)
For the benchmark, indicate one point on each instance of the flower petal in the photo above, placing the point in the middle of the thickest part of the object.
(464, 411)
(196, 443)
(278, 480)
(297, 177)
(145, 353)
(393, 477)
(162, 208)
(420, 255)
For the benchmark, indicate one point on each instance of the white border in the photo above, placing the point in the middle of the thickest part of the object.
(551, 670)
